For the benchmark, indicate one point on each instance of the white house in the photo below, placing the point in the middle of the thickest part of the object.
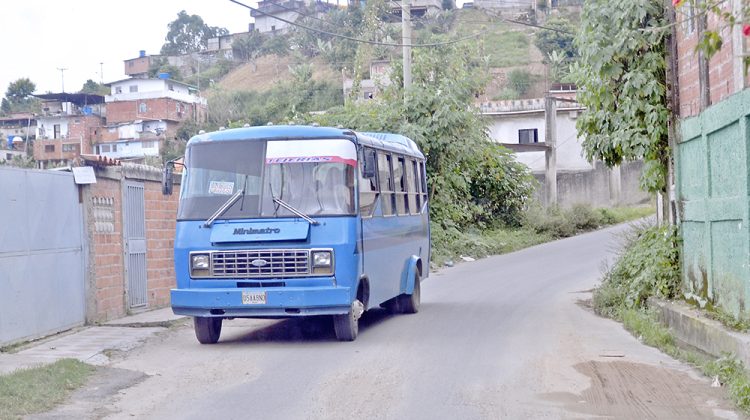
(520, 125)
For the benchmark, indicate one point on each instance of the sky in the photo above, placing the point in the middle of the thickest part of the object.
(41, 36)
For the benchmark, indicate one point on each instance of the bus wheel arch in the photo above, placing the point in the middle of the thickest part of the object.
(363, 291)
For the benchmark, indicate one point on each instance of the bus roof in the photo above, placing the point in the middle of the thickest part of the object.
(387, 141)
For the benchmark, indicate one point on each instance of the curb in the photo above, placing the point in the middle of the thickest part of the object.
(690, 326)
(146, 324)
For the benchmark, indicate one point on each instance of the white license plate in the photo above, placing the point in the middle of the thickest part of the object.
(253, 298)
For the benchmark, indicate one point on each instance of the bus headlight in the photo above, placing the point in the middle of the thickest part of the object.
(322, 262)
(199, 265)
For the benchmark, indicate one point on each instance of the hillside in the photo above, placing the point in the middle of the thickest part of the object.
(263, 73)
(516, 65)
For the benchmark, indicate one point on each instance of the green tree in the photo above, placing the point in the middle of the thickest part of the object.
(188, 34)
(18, 97)
(248, 46)
(92, 87)
(621, 76)
(5, 107)
(471, 180)
(20, 90)
(560, 40)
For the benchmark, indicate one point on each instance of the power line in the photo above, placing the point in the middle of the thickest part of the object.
(364, 41)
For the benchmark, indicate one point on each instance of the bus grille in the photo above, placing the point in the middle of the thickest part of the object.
(276, 263)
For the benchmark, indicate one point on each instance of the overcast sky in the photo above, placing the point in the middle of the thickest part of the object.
(40, 36)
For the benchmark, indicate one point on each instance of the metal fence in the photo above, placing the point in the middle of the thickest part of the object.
(41, 254)
(712, 191)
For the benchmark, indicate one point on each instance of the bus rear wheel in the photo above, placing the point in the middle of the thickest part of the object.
(409, 304)
(207, 329)
(346, 326)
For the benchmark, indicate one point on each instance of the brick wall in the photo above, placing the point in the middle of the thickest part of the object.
(104, 218)
(155, 109)
(721, 73)
(106, 272)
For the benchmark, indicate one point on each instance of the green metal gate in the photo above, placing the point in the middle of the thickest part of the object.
(712, 191)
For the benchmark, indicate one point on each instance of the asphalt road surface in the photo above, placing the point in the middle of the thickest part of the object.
(502, 337)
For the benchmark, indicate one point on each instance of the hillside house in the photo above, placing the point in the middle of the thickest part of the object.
(268, 10)
(142, 113)
(66, 126)
(15, 129)
(380, 77)
(520, 126)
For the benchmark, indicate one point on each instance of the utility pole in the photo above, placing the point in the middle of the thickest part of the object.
(101, 73)
(62, 76)
(406, 40)
(550, 153)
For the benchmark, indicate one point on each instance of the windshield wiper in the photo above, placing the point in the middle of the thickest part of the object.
(295, 211)
(224, 207)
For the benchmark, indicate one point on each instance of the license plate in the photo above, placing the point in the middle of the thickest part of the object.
(253, 298)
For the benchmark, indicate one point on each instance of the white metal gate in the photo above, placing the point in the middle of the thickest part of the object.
(134, 229)
(41, 254)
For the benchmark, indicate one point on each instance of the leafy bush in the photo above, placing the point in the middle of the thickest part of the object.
(520, 81)
(562, 223)
(500, 185)
(648, 266)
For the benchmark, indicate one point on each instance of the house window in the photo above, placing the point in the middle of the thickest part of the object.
(69, 147)
(528, 136)
(118, 89)
(273, 27)
(56, 128)
(150, 144)
(142, 107)
(104, 148)
(133, 88)
(171, 87)
(49, 148)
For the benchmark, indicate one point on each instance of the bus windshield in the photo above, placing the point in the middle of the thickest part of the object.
(315, 177)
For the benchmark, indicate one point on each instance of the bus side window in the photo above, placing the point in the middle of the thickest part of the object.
(368, 187)
(411, 186)
(386, 183)
(423, 181)
(400, 183)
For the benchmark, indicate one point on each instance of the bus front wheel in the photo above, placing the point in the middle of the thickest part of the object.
(346, 326)
(207, 329)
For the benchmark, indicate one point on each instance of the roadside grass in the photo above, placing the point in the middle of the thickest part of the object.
(728, 320)
(40, 389)
(649, 266)
(539, 226)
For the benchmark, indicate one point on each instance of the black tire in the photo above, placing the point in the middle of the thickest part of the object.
(207, 329)
(409, 304)
(392, 306)
(346, 327)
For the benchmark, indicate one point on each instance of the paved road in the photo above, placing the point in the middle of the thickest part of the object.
(502, 337)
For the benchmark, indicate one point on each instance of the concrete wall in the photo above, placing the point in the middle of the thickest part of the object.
(712, 193)
(598, 187)
(106, 280)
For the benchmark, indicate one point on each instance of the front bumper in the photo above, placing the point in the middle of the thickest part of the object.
(280, 302)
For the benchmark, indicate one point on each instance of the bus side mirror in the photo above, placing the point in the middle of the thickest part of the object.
(370, 168)
(167, 179)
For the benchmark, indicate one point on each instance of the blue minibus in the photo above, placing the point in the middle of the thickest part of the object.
(290, 221)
